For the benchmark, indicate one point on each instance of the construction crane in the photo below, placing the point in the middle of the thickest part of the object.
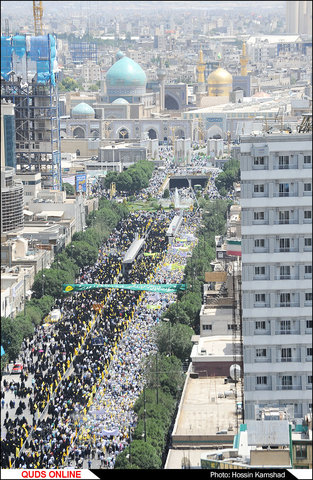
(38, 12)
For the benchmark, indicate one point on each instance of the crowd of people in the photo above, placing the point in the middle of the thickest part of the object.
(85, 370)
(67, 363)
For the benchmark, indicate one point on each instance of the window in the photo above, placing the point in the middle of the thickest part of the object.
(259, 242)
(258, 216)
(308, 297)
(308, 242)
(307, 214)
(310, 379)
(283, 161)
(307, 159)
(301, 451)
(284, 272)
(258, 161)
(258, 188)
(206, 327)
(308, 270)
(283, 189)
(260, 352)
(261, 380)
(259, 270)
(232, 326)
(309, 351)
(284, 299)
(307, 187)
(286, 354)
(309, 324)
(285, 326)
(284, 244)
(260, 325)
(284, 217)
(260, 297)
(286, 380)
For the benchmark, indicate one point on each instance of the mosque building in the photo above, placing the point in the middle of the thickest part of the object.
(125, 109)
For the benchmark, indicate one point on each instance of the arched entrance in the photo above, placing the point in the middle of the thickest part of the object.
(215, 130)
(79, 132)
(179, 133)
(123, 133)
(170, 103)
(152, 134)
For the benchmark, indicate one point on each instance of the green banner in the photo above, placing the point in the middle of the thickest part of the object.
(160, 288)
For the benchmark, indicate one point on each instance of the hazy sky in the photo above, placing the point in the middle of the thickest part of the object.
(25, 7)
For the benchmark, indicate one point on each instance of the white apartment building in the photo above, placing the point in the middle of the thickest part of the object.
(276, 213)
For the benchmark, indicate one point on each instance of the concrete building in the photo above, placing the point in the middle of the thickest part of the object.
(8, 158)
(276, 219)
(12, 203)
(299, 17)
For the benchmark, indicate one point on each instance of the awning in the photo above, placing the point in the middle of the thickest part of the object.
(28, 213)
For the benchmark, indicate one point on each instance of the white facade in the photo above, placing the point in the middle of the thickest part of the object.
(276, 195)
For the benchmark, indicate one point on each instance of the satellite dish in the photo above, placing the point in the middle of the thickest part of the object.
(235, 372)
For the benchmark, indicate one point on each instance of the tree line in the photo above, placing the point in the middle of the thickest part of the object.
(157, 405)
(132, 180)
(47, 286)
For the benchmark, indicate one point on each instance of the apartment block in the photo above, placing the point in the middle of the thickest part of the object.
(276, 213)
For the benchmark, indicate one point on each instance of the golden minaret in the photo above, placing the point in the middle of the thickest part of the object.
(200, 68)
(244, 60)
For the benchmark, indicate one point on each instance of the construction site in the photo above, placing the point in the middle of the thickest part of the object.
(29, 82)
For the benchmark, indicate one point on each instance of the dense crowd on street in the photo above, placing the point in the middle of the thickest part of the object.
(73, 401)
(66, 362)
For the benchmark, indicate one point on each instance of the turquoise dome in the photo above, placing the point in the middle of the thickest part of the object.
(126, 73)
(120, 101)
(83, 109)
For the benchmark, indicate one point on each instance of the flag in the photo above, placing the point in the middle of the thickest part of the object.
(234, 248)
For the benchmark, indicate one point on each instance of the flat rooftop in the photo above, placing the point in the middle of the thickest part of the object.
(203, 412)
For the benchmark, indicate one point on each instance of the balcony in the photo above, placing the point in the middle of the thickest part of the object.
(262, 332)
(286, 221)
(288, 359)
(261, 305)
(286, 277)
(286, 250)
(262, 360)
(263, 387)
(287, 304)
(285, 194)
(286, 166)
(287, 332)
(288, 387)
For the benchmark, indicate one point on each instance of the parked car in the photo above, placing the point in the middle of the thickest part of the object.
(17, 368)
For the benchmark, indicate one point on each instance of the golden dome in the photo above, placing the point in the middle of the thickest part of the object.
(220, 76)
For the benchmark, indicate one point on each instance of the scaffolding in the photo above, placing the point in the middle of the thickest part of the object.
(28, 81)
(83, 51)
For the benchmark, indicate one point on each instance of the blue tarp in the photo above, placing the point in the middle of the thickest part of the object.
(2, 351)
(19, 45)
(6, 56)
(42, 50)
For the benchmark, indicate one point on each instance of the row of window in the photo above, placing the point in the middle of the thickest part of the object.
(284, 299)
(286, 352)
(284, 243)
(284, 271)
(286, 381)
(284, 216)
(284, 161)
(284, 189)
(285, 325)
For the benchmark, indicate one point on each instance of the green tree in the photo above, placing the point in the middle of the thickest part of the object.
(11, 337)
(177, 338)
(68, 188)
(68, 84)
(144, 456)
